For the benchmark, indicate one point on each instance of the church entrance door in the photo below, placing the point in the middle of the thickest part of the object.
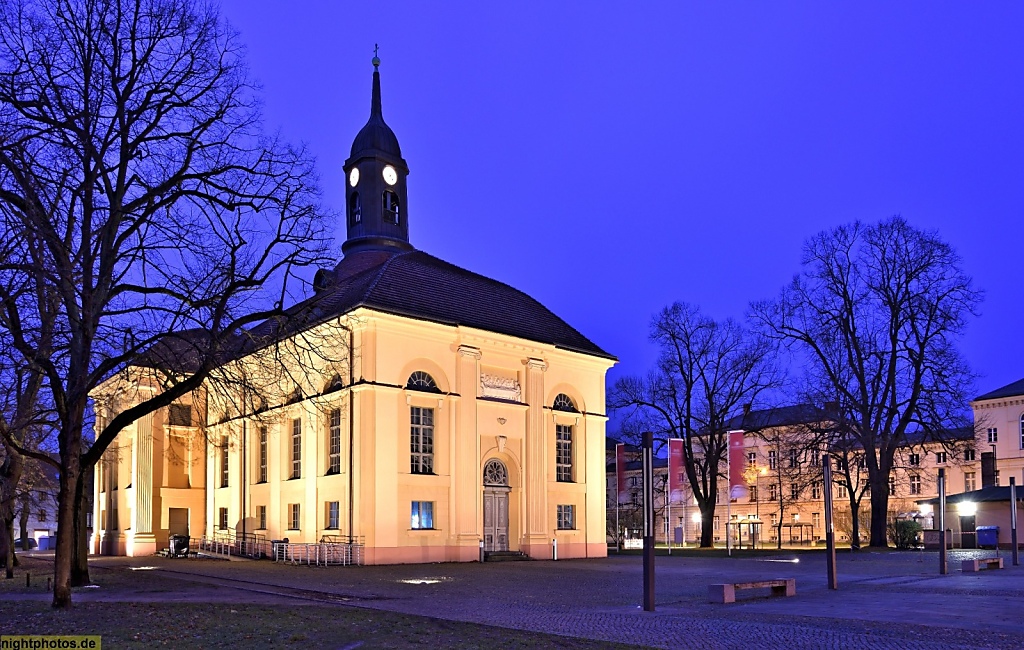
(495, 506)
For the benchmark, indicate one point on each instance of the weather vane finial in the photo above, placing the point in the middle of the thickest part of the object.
(376, 60)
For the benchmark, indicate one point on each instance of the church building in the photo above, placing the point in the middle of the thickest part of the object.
(428, 410)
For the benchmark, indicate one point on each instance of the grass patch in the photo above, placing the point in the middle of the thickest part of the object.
(201, 625)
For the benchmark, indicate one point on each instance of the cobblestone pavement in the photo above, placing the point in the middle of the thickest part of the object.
(885, 600)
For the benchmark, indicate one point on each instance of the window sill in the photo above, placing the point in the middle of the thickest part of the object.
(425, 530)
(294, 478)
(335, 472)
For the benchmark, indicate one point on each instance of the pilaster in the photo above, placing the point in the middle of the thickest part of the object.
(465, 462)
(142, 540)
(536, 459)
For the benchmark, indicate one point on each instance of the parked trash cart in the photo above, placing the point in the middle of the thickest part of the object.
(178, 545)
(988, 536)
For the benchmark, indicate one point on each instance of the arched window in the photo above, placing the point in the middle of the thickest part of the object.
(355, 209)
(1022, 431)
(420, 380)
(564, 403)
(391, 209)
(495, 473)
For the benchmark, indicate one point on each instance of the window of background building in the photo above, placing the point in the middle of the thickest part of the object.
(753, 493)
(263, 455)
(1022, 431)
(815, 459)
(224, 461)
(566, 517)
(41, 515)
(422, 515)
(940, 457)
(180, 415)
(715, 523)
(751, 458)
(332, 515)
(841, 492)
(993, 435)
(794, 458)
(223, 519)
(969, 483)
(293, 516)
(296, 448)
(794, 491)
(914, 460)
(816, 490)
(915, 484)
(421, 440)
(969, 454)
(773, 492)
(261, 517)
(563, 453)
(334, 442)
(816, 520)
(773, 459)
(892, 486)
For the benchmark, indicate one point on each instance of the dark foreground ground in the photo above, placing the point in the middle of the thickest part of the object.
(885, 600)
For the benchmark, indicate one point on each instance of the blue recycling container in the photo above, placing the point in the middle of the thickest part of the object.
(988, 536)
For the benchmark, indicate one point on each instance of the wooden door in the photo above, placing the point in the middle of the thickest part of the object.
(495, 519)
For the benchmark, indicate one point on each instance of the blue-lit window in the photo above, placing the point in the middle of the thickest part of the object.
(422, 515)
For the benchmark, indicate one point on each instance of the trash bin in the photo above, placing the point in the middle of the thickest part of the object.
(988, 536)
(44, 543)
(179, 545)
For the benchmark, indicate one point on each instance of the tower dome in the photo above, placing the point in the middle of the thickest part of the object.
(375, 193)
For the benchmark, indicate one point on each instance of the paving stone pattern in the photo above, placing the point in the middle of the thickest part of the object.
(885, 600)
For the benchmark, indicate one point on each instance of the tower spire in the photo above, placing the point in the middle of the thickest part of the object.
(375, 111)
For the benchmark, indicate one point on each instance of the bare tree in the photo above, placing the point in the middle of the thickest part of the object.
(131, 148)
(706, 372)
(875, 316)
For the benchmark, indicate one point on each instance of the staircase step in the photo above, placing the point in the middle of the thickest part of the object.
(505, 556)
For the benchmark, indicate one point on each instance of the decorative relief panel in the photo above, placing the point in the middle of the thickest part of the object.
(500, 387)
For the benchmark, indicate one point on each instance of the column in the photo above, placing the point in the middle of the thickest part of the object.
(143, 542)
(537, 542)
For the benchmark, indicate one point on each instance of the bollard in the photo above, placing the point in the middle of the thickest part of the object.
(28, 579)
(481, 550)
(48, 584)
(554, 548)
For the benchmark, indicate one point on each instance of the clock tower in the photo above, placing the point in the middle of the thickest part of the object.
(376, 213)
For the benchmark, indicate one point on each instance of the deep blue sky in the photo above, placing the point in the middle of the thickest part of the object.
(609, 159)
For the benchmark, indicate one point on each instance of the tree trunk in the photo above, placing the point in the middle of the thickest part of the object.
(707, 524)
(879, 511)
(854, 524)
(7, 546)
(26, 510)
(80, 561)
(71, 456)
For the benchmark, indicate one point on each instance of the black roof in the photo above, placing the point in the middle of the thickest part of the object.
(1009, 390)
(417, 285)
(776, 417)
(990, 493)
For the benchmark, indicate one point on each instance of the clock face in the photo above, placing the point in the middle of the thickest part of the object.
(390, 175)
(353, 177)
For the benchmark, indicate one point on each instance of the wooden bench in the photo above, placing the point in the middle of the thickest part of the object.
(727, 593)
(970, 566)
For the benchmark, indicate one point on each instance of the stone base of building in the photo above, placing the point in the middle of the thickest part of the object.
(141, 544)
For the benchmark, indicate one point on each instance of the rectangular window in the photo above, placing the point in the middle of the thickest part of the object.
(816, 520)
(940, 457)
(841, 490)
(41, 515)
(563, 453)
(915, 484)
(566, 517)
(815, 459)
(334, 444)
(682, 477)
(180, 415)
(296, 448)
(915, 460)
(892, 486)
(773, 460)
(223, 519)
(753, 493)
(422, 515)
(816, 490)
(224, 461)
(993, 435)
(840, 464)
(794, 491)
(794, 458)
(263, 455)
(421, 440)
(293, 516)
(261, 517)
(970, 483)
(634, 481)
(969, 454)
(751, 458)
(715, 523)
(773, 492)
(332, 515)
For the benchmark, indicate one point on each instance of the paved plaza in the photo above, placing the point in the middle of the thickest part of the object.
(885, 600)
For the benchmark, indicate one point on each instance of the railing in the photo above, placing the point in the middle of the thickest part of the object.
(323, 553)
(238, 544)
